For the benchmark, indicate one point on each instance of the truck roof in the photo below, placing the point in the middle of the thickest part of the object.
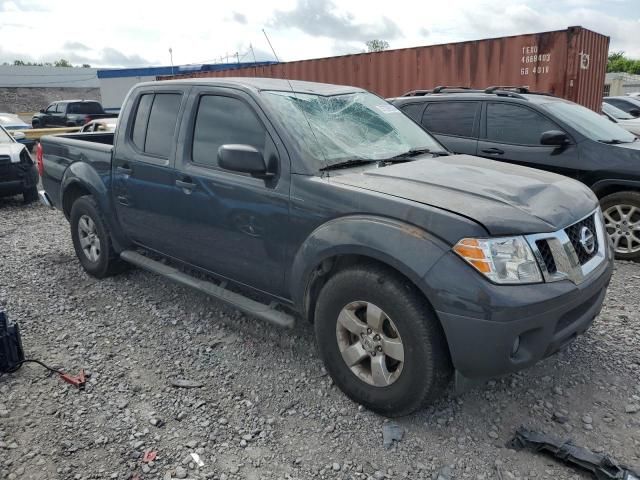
(256, 83)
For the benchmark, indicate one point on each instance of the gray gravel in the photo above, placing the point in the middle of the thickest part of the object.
(176, 373)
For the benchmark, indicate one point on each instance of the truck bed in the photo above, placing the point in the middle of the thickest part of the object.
(61, 151)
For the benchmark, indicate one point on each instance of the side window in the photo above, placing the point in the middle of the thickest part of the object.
(451, 118)
(51, 108)
(508, 123)
(621, 104)
(139, 131)
(61, 108)
(413, 110)
(162, 124)
(225, 120)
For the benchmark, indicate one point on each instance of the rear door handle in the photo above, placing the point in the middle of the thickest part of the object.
(124, 169)
(188, 186)
(493, 151)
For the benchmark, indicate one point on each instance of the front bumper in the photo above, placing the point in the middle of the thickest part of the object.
(15, 178)
(483, 322)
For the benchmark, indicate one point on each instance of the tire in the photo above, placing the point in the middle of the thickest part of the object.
(426, 367)
(30, 195)
(36, 124)
(102, 261)
(622, 221)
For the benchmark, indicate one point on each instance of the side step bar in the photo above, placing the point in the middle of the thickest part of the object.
(251, 307)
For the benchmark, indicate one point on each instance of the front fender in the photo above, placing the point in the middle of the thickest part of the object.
(602, 185)
(405, 247)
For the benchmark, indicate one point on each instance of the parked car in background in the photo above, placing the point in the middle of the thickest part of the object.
(326, 200)
(18, 173)
(545, 132)
(622, 118)
(102, 125)
(628, 104)
(13, 123)
(69, 113)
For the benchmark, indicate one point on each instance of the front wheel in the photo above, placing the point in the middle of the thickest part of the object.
(622, 221)
(380, 340)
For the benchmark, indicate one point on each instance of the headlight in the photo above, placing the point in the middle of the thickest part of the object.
(501, 260)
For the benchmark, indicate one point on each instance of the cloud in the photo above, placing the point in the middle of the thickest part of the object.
(22, 6)
(318, 19)
(240, 18)
(75, 46)
(107, 57)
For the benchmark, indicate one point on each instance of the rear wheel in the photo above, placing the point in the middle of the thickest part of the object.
(380, 340)
(622, 221)
(91, 239)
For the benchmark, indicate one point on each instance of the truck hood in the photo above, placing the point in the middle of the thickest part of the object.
(13, 150)
(506, 199)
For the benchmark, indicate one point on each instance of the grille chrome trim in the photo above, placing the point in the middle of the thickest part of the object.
(564, 254)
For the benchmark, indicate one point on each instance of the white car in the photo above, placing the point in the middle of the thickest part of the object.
(18, 174)
(622, 118)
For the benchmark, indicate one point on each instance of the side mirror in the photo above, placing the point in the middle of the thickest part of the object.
(243, 158)
(19, 135)
(42, 110)
(635, 112)
(555, 138)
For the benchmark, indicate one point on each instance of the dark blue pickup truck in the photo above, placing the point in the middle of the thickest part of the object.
(295, 199)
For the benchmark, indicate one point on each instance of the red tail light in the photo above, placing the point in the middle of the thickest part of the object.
(39, 159)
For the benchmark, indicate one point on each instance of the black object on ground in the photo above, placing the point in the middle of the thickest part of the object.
(601, 466)
(11, 352)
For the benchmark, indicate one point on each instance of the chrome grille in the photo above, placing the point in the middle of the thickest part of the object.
(574, 233)
(561, 254)
(547, 256)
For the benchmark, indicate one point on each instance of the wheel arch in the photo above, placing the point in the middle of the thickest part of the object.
(604, 188)
(399, 246)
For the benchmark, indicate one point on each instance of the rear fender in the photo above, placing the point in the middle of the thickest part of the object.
(85, 176)
(404, 247)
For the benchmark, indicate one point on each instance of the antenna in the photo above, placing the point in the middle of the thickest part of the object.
(296, 96)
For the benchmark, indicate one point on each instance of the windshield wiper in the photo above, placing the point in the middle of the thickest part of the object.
(348, 163)
(613, 141)
(414, 152)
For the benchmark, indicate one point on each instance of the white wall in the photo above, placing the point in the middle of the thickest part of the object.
(113, 90)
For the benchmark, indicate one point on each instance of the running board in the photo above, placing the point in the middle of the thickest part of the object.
(251, 307)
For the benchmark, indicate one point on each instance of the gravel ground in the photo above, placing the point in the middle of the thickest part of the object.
(263, 406)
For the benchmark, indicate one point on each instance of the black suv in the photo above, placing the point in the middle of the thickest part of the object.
(546, 132)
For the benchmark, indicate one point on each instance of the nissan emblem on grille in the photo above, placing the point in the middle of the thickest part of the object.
(587, 240)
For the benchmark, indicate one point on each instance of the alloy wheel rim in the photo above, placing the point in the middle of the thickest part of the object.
(370, 343)
(89, 240)
(623, 227)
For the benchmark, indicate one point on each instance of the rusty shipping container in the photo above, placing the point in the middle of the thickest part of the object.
(568, 63)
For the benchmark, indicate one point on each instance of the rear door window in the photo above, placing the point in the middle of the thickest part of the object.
(139, 132)
(508, 123)
(154, 125)
(161, 127)
(451, 118)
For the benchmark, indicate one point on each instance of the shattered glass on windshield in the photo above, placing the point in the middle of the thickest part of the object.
(332, 129)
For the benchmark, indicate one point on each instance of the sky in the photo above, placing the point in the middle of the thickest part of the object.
(133, 33)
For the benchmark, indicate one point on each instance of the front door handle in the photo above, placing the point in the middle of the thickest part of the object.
(188, 186)
(493, 151)
(124, 169)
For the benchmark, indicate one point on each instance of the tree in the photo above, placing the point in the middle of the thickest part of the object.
(376, 45)
(617, 62)
(86, 65)
(62, 63)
